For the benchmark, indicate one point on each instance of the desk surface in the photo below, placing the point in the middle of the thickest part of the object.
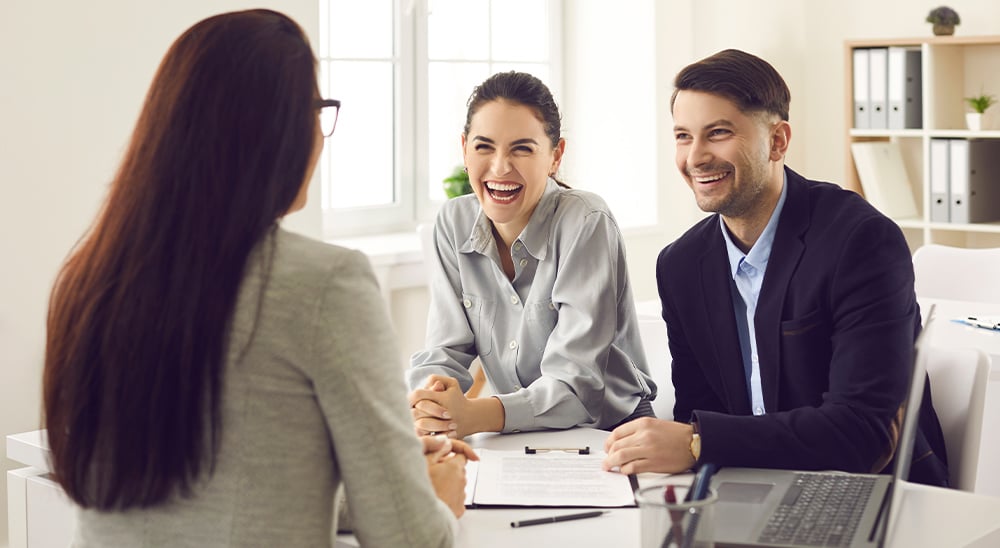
(969, 517)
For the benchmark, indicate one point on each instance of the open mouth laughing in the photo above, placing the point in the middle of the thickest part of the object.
(503, 192)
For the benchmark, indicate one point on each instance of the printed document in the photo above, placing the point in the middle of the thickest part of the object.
(555, 478)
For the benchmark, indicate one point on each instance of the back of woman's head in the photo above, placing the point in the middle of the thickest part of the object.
(523, 89)
(139, 316)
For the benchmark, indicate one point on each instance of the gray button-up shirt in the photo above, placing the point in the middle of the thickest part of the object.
(560, 344)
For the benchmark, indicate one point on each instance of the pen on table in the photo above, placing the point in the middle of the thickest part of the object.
(698, 491)
(675, 532)
(555, 519)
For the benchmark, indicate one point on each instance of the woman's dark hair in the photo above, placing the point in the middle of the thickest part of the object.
(748, 81)
(523, 89)
(140, 313)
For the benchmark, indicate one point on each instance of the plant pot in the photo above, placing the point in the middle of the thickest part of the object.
(974, 121)
(943, 30)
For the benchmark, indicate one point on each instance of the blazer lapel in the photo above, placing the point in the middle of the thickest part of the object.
(785, 255)
(716, 289)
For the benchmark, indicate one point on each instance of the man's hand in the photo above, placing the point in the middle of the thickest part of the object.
(649, 445)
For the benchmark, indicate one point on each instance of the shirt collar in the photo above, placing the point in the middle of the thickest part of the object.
(534, 237)
(761, 250)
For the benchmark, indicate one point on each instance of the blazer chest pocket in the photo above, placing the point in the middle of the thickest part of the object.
(806, 337)
(480, 313)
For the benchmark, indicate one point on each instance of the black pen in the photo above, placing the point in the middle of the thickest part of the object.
(554, 519)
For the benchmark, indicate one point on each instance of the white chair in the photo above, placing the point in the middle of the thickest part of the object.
(958, 379)
(956, 273)
(653, 334)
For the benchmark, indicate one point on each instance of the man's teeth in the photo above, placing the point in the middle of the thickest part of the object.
(709, 178)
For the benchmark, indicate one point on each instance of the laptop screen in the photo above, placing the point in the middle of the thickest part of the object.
(904, 451)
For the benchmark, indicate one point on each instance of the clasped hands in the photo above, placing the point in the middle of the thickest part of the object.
(442, 408)
(446, 460)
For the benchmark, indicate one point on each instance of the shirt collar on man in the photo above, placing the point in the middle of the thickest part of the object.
(761, 250)
(534, 237)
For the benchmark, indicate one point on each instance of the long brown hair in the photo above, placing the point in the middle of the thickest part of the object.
(140, 313)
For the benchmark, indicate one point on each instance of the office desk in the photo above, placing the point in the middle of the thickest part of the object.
(949, 334)
(930, 517)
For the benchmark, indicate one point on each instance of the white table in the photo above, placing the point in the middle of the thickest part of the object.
(930, 517)
(949, 334)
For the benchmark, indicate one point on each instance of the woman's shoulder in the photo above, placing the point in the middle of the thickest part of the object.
(307, 258)
(582, 200)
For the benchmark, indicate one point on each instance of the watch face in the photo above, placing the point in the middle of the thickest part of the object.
(696, 446)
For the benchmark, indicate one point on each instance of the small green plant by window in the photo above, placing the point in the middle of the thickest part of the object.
(981, 102)
(457, 183)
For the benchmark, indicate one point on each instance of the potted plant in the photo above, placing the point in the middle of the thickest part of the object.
(944, 20)
(457, 183)
(978, 104)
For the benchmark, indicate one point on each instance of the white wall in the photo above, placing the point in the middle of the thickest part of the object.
(72, 79)
(74, 75)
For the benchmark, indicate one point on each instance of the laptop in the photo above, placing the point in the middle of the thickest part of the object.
(767, 507)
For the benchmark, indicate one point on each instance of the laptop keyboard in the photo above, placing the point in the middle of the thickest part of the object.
(819, 510)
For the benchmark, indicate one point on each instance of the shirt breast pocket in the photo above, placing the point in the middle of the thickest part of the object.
(480, 313)
(541, 318)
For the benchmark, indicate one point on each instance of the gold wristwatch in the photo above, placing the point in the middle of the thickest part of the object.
(695, 442)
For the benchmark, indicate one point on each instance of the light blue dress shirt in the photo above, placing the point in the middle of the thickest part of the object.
(560, 343)
(748, 277)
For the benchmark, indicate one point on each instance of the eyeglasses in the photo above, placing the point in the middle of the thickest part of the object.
(329, 109)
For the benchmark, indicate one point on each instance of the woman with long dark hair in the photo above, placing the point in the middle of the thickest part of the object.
(211, 379)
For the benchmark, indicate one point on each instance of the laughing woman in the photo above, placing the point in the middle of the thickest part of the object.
(529, 276)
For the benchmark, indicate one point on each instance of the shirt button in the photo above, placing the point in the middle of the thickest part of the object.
(518, 387)
(758, 411)
(552, 306)
(524, 262)
(512, 345)
(517, 246)
(467, 303)
(514, 299)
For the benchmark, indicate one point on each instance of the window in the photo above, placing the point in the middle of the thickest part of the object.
(404, 70)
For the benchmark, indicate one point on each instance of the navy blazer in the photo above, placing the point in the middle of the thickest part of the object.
(836, 322)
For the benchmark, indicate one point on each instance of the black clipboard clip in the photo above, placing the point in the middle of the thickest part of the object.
(577, 450)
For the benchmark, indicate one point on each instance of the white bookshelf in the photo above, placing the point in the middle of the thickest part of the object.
(952, 67)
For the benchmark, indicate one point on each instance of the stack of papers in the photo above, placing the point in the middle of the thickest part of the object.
(555, 478)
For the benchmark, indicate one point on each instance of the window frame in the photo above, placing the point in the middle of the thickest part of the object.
(411, 180)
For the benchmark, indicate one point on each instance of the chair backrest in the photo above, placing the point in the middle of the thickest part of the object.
(653, 334)
(958, 388)
(957, 273)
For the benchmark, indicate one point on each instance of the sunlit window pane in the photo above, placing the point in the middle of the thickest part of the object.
(449, 87)
(359, 157)
(359, 29)
(458, 29)
(520, 30)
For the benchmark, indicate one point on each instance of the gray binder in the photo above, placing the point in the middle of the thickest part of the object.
(974, 180)
(905, 102)
(939, 170)
(862, 105)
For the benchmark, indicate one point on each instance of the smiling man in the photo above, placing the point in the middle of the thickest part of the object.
(790, 313)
